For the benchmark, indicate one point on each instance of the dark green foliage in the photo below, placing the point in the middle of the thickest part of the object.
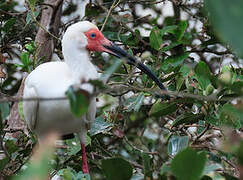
(229, 28)
(117, 168)
(188, 164)
(160, 109)
(79, 101)
(137, 134)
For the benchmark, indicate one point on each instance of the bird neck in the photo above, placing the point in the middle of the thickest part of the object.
(78, 60)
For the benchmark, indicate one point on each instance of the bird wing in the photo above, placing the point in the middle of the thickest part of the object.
(30, 107)
(47, 80)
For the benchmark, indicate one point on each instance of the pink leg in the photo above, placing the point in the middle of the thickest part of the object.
(85, 167)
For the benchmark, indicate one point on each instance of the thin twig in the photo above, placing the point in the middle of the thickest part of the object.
(202, 133)
(43, 28)
(18, 99)
(206, 50)
(113, 6)
(137, 149)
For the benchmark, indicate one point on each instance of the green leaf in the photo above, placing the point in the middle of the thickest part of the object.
(4, 110)
(179, 82)
(180, 31)
(161, 108)
(106, 75)
(3, 163)
(32, 3)
(187, 118)
(30, 15)
(174, 61)
(134, 103)
(212, 120)
(177, 144)
(230, 116)
(203, 75)
(11, 146)
(9, 24)
(184, 70)
(237, 87)
(147, 165)
(170, 46)
(226, 17)
(209, 90)
(74, 144)
(169, 29)
(201, 126)
(7, 5)
(155, 38)
(24, 57)
(67, 174)
(115, 36)
(78, 100)
(188, 164)
(131, 39)
(225, 76)
(117, 168)
(100, 126)
(156, 35)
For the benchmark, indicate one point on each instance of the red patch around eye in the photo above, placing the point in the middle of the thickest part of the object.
(94, 37)
(94, 34)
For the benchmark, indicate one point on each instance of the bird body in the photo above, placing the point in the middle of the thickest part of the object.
(52, 80)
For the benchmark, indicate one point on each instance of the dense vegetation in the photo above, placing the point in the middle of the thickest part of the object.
(195, 51)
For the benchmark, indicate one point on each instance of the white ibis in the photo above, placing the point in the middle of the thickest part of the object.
(52, 79)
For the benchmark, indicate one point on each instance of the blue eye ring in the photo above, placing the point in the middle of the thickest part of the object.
(92, 35)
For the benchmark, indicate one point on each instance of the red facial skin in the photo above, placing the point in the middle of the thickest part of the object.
(96, 43)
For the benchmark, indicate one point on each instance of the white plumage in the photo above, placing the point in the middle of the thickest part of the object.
(52, 79)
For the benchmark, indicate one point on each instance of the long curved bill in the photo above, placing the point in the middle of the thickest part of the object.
(120, 53)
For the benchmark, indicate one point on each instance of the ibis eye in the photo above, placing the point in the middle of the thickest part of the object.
(92, 35)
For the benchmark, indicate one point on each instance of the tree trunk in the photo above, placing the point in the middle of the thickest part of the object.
(50, 17)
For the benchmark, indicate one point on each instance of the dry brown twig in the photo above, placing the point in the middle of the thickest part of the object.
(113, 6)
